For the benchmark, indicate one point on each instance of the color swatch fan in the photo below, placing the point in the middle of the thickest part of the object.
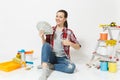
(45, 26)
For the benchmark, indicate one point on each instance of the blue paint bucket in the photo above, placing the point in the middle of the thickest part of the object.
(104, 65)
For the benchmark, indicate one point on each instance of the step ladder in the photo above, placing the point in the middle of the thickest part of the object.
(97, 56)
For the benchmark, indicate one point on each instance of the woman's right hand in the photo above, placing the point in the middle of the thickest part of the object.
(41, 34)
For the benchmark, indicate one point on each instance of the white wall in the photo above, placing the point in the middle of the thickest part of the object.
(18, 19)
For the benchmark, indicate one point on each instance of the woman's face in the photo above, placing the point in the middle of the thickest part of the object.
(60, 19)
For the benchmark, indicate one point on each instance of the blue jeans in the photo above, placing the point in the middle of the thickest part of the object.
(62, 64)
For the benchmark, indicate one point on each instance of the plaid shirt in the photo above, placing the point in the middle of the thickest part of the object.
(66, 34)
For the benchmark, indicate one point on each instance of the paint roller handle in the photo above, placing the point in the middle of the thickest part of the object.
(103, 25)
(29, 52)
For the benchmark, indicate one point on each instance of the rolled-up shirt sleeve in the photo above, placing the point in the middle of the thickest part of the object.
(73, 38)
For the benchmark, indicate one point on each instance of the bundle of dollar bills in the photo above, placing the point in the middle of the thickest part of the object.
(45, 26)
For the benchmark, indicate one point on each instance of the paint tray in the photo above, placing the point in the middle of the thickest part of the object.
(9, 66)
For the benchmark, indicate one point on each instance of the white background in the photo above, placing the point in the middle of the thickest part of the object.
(18, 20)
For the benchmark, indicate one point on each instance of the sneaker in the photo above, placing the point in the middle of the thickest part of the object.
(51, 66)
(45, 73)
(39, 67)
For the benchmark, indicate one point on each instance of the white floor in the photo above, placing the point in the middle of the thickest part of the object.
(83, 73)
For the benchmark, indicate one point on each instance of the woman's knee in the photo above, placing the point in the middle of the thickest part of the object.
(67, 68)
(71, 68)
(46, 46)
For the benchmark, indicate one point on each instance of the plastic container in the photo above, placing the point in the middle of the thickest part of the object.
(29, 57)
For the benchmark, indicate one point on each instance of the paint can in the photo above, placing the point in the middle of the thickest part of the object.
(104, 65)
(112, 66)
(103, 36)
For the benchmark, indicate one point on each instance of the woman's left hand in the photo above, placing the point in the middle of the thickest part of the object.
(66, 42)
